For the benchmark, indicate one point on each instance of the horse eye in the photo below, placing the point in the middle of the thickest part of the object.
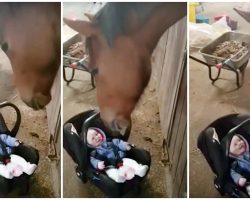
(5, 46)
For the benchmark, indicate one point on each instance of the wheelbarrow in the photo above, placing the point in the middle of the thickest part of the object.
(236, 63)
(75, 63)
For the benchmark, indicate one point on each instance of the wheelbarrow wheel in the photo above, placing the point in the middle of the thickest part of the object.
(68, 80)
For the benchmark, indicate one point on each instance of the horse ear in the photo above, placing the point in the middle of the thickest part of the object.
(84, 27)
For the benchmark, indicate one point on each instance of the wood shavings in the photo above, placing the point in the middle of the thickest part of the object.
(76, 50)
(228, 49)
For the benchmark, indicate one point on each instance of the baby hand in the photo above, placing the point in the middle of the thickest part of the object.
(17, 143)
(128, 147)
(242, 182)
(101, 165)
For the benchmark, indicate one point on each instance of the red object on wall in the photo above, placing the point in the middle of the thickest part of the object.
(218, 17)
(230, 22)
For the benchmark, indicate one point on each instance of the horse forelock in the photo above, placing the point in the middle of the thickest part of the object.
(113, 18)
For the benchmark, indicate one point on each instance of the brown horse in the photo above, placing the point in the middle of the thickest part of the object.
(120, 41)
(30, 35)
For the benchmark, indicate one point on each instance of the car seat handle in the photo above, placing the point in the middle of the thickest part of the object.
(238, 126)
(15, 129)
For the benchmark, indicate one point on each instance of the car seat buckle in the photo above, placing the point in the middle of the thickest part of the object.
(81, 175)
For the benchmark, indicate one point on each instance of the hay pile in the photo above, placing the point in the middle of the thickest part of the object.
(76, 50)
(228, 49)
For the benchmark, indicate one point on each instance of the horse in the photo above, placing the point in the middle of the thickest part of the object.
(30, 35)
(120, 40)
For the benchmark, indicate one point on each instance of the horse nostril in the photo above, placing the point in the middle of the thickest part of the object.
(35, 104)
(5, 46)
(38, 102)
(116, 127)
(28, 103)
(42, 100)
(45, 100)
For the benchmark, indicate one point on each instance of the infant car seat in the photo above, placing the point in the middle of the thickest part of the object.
(78, 150)
(216, 150)
(29, 153)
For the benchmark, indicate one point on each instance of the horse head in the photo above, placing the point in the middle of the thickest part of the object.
(120, 41)
(30, 37)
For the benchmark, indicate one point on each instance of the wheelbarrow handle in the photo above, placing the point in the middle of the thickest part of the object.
(220, 65)
(198, 60)
(71, 58)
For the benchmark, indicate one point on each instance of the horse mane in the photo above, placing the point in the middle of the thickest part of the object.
(15, 6)
(112, 18)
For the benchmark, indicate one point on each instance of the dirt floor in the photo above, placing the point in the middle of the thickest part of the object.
(79, 96)
(208, 102)
(33, 131)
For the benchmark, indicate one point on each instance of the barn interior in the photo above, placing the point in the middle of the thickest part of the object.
(210, 101)
(155, 115)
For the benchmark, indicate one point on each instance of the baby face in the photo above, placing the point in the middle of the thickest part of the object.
(94, 138)
(237, 146)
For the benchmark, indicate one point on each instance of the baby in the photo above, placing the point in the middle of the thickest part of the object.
(240, 168)
(12, 165)
(111, 157)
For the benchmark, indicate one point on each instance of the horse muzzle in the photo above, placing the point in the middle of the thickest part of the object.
(120, 128)
(39, 101)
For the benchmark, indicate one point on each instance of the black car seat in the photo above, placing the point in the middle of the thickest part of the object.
(76, 147)
(215, 150)
(29, 153)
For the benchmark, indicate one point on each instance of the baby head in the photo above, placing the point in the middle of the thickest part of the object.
(94, 137)
(237, 146)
